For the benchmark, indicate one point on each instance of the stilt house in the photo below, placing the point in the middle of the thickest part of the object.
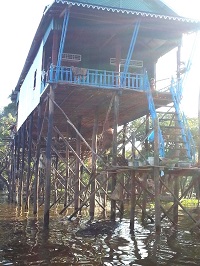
(90, 71)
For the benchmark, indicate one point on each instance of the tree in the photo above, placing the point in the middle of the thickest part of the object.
(7, 122)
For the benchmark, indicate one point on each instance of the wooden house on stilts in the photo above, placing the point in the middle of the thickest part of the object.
(89, 74)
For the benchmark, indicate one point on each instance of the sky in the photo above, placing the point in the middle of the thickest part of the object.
(19, 21)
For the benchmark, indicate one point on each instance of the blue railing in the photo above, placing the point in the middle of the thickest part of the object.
(176, 92)
(154, 116)
(93, 77)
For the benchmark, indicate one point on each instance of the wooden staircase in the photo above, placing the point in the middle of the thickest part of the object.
(175, 138)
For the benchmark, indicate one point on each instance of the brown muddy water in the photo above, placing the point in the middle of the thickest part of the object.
(24, 242)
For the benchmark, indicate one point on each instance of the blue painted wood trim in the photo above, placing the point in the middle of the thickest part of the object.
(63, 38)
(94, 77)
(46, 35)
(130, 52)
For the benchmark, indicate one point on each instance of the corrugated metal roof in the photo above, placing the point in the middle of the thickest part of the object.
(153, 8)
(148, 6)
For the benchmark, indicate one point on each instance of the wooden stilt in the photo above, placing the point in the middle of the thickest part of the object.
(36, 180)
(147, 132)
(122, 177)
(18, 153)
(114, 154)
(176, 193)
(23, 139)
(29, 162)
(93, 173)
(133, 201)
(56, 180)
(144, 199)
(66, 177)
(105, 187)
(133, 185)
(12, 173)
(77, 170)
(48, 160)
(157, 178)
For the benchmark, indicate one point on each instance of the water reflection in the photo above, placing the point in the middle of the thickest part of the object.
(24, 242)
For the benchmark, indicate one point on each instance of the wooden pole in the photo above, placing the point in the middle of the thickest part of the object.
(133, 184)
(94, 166)
(114, 154)
(133, 201)
(77, 170)
(157, 178)
(12, 172)
(48, 160)
(18, 174)
(29, 162)
(147, 132)
(36, 181)
(118, 59)
(66, 177)
(121, 179)
(105, 188)
(55, 180)
(55, 48)
(199, 130)
(176, 193)
(198, 146)
(23, 139)
(144, 199)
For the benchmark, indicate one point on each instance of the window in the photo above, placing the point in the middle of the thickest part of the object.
(35, 77)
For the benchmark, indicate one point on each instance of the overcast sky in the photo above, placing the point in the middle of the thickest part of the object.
(18, 23)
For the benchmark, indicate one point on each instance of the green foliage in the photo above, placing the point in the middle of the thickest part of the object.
(138, 126)
(7, 120)
(193, 125)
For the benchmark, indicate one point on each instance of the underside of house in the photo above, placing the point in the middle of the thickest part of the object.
(94, 124)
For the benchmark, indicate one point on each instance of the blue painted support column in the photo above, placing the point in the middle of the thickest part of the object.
(130, 52)
(62, 41)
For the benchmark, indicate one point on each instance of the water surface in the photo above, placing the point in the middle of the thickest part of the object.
(24, 242)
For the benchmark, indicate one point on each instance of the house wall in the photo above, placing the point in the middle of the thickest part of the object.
(29, 96)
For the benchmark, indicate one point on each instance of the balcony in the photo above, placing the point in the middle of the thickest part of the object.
(95, 78)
